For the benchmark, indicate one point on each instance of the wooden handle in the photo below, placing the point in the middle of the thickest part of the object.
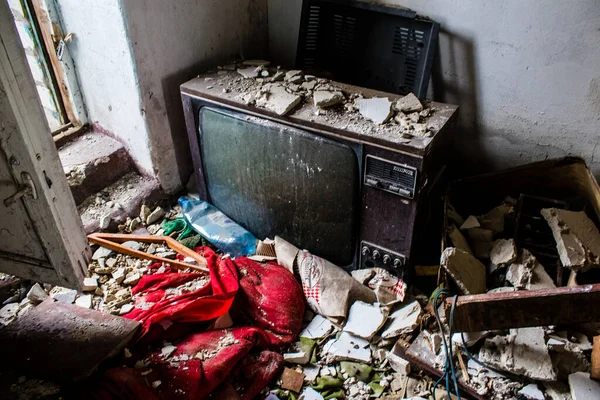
(111, 241)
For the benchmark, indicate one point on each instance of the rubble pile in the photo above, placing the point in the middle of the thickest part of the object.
(536, 362)
(256, 83)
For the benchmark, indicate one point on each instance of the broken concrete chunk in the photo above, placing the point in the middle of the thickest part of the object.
(325, 98)
(471, 338)
(89, 284)
(408, 104)
(294, 76)
(144, 212)
(310, 394)
(404, 320)
(155, 215)
(308, 86)
(126, 309)
(577, 238)
(504, 251)
(468, 273)
(132, 278)
(105, 221)
(119, 275)
(376, 109)
(168, 350)
(67, 296)
(132, 244)
(249, 72)
(470, 222)
(37, 294)
(348, 347)
(458, 240)
(398, 364)
(481, 235)
(292, 380)
(85, 301)
(582, 387)
(8, 313)
(540, 278)
(494, 219)
(523, 352)
(102, 252)
(278, 100)
(364, 320)
(317, 328)
(454, 216)
(311, 372)
(532, 392)
(300, 357)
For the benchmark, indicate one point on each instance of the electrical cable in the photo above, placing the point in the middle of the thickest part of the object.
(449, 372)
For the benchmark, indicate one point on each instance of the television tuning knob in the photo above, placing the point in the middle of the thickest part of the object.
(398, 263)
(365, 251)
(375, 255)
(387, 259)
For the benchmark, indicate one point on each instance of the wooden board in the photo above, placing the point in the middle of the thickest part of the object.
(565, 305)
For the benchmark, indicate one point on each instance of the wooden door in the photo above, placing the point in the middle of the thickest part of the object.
(41, 234)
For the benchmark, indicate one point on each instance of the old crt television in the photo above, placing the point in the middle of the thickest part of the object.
(329, 182)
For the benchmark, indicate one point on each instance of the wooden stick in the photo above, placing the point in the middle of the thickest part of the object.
(111, 241)
(560, 306)
(595, 373)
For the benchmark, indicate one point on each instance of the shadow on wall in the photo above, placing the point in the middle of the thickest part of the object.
(454, 80)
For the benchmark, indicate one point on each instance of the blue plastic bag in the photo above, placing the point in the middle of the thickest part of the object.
(218, 228)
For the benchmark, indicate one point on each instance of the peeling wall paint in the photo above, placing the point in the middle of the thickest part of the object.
(526, 75)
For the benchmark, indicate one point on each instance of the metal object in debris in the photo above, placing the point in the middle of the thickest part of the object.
(63, 341)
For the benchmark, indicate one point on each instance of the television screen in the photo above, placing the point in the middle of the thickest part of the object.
(277, 180)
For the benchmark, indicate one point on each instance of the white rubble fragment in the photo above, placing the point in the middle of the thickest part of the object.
(8, 313)
(458, 240)
(168, 350)
(37, 294)
(132, 244)
(155, 215)
(278, 100)
(311, 372)
(294, 76)
(348, 347)
(494, 219)
(85, 301)
(523, 352)
(126, 309)
(555, 344)
(364, 320)
(504, 251)
(470, 222)
(471, 338)
(376, 109)
(105, 221)
(326, 98)
(404, 320)
(156, 384)
(532, 392)
(310, 394)
(249, 72)
(408, 104)
(317, 328)
(468, 273)
(66, 296)
(119, 274)
(299, 357)
(132, 278)
(102, 252)
(540, 278)
(577, 238)
(584, 388)
(398, 364)
(89, 284)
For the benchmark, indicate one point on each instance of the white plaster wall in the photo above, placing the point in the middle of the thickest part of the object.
(526, 74)
(174, 41)
(107, 73)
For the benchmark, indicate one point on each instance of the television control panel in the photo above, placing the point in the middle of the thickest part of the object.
(372, 256)
(392, 177)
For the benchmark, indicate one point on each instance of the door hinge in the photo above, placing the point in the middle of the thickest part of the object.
(26, 188)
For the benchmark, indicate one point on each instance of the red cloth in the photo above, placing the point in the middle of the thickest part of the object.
(226, 363)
